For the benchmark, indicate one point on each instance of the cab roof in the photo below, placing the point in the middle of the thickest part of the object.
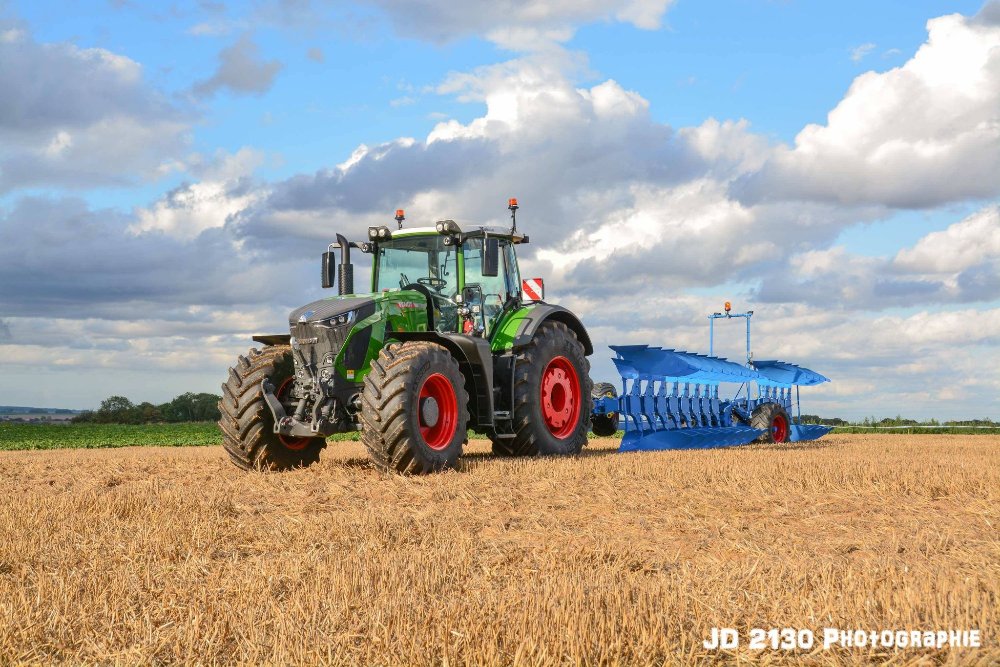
(476, 231)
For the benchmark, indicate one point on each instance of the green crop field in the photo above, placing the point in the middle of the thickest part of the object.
(59, 436)
(88, 436)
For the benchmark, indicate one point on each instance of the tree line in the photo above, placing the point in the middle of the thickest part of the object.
(188, 407)
(894, 421)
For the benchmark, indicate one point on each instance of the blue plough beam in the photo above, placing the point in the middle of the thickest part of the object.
(670, 399)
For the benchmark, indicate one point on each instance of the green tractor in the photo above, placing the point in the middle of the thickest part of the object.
(447, 339)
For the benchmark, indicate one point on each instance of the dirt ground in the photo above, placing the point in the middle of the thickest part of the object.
(173, 555)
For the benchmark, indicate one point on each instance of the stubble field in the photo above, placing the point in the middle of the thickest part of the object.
(172, 555)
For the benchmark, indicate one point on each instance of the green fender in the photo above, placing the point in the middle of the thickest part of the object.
(517, 328)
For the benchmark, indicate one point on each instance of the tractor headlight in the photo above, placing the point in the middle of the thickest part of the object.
(339, 320)
(379, 233)
(447, 227)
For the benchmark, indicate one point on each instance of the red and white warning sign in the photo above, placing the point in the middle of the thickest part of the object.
(533, 289)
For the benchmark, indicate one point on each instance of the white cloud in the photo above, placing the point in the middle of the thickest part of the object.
(316, 54)
(961, 246)
(918, 135)
(223, 191)
(11, 35)
(116, 150)
(520, 25)
(607, 190)
(858, 53)
(224, 166)
(191, 209)
(79, 118)
(241, 70)
(960, 264)
(925, 364)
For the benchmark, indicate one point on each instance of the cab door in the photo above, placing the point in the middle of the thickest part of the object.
(496, 290)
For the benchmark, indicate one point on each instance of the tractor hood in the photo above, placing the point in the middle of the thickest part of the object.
(324, 309)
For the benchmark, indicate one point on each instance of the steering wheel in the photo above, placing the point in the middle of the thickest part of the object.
(420, 287)
(437, 283)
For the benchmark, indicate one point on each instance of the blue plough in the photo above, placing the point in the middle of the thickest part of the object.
(670, 400)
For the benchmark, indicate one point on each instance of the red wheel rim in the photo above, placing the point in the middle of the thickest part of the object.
(437, 411)
(560, 397)
(779, 428)
(294, 444)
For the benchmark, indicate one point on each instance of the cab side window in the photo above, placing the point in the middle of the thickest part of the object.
(496, 289)
(510, 268)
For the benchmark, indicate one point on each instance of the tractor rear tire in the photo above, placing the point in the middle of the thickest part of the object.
(773, 419)
(552, 400)
(604, 425)
(247, 423)
(414, 410)
(507, 446)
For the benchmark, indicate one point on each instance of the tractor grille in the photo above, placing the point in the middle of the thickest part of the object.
(320, 338)
(319, 343)
(309, 335)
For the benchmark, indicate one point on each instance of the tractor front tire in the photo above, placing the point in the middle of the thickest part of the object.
(552, 400)
(774, 421)
(414, 409)
(604, 425)
(247, 423)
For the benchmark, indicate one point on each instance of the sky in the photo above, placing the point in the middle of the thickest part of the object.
(171, 172)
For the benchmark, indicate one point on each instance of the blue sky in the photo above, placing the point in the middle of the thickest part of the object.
(184, 164)
(780, 65)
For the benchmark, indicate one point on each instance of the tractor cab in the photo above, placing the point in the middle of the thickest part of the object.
(468, 280)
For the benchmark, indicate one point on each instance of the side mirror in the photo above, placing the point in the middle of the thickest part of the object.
(491, 257)
(329, 269)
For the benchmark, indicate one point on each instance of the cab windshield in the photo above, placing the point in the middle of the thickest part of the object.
(421, 260)
(426, 264)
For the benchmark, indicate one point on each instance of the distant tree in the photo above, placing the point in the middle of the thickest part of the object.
(826, 421)
(85, 417)
(187, 407)
(194, 407)
(116, 410)
(207, 407)
(973, 422)
(166, 411)
(147, 413)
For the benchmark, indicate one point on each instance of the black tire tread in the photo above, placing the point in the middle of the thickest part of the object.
(247, 423)
(525, 440)
(761, 418)
(603, 425)
(603, 389)
(386, 404)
